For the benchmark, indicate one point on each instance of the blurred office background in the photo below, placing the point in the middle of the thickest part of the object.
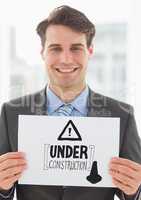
(114, 69)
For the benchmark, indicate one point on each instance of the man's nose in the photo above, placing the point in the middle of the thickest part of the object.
(66, 57)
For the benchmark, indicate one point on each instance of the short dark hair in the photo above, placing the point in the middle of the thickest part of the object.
(67, 16)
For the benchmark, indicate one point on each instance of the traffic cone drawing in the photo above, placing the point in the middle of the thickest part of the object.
(94, 177)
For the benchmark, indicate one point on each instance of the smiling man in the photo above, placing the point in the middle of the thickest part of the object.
(65, 54)
(66, 38)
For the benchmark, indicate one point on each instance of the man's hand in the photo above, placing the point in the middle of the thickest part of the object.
(12, 165)
(126, 175)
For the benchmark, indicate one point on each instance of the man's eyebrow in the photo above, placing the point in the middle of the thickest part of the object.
(78, 44)
(54, 45)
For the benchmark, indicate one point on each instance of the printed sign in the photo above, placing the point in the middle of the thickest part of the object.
(68, 151)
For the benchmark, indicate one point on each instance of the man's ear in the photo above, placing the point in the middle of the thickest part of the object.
(91, 50)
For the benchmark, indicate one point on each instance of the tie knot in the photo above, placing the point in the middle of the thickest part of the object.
(65, 110)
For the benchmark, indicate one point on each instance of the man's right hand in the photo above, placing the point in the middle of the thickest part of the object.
(12, 165)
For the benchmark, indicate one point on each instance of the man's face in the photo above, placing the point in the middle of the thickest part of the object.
(65, 55)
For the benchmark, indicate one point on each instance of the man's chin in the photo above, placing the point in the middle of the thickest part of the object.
(66, 84)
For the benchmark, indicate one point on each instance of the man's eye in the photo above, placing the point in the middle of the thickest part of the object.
(56, 49)
(76, 49)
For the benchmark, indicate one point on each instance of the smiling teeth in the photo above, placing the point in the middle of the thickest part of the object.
(66, 70)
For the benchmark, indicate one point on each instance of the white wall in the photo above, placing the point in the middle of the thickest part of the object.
(4, 64)
(134, 61)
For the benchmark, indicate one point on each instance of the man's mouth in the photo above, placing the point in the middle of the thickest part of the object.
(66, 70)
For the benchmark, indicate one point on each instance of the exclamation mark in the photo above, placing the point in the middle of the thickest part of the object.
(69, 131)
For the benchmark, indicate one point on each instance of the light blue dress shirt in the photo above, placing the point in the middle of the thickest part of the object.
(79, 103)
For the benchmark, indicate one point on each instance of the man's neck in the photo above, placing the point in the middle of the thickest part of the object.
(67, 94)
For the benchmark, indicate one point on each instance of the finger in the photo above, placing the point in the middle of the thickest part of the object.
(125, 188)
(125, 170)
(11, 163)
(11, 155)
(123, 178)
(126, 162)
(9, 182)
(12, 171)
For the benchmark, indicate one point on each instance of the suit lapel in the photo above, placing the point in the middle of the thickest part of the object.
(40, 103)
(97, 105)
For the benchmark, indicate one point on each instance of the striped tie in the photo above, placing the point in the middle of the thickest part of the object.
(65, 110)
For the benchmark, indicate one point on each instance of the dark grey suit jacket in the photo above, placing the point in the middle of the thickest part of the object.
(98, 106)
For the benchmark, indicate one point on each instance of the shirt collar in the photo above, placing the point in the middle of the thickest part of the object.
(79, 103)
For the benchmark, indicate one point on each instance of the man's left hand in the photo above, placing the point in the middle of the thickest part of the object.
(126, 175)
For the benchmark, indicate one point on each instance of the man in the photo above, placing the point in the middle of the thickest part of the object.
(66, 37)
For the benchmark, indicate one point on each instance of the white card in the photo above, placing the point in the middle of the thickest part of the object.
(68, 151)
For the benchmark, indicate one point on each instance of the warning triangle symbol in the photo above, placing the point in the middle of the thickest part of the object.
(70, 132)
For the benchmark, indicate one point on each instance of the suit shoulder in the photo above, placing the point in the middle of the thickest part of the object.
(114, 105)
(25, 101)
(116, 102)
